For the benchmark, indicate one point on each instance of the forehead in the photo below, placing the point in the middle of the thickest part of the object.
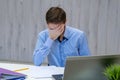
(53, 25)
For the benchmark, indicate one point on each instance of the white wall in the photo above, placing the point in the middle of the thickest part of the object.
(22, 20)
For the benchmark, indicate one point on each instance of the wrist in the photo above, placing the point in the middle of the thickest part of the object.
(53, 38)
(49, 42)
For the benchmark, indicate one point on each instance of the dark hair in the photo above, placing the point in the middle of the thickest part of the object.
(55, 15)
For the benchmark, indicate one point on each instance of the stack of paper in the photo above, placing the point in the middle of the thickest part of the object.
(44, 71)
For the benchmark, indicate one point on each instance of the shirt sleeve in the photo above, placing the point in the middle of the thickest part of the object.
(42, 49)
(83, 47)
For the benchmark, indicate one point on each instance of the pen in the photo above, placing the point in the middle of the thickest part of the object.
(22, 69)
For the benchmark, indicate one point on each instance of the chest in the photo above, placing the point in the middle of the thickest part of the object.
(66, 48)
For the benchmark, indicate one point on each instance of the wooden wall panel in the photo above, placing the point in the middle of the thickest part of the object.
(22, 20)
(102, 27)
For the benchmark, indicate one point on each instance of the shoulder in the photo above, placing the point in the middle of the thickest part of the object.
(43, 33)
(75, 31)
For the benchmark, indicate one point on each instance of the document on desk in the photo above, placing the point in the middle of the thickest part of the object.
(45, 71)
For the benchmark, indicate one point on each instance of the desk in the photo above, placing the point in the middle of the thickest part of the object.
(15, 66)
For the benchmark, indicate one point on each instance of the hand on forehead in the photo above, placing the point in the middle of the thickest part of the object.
(54, 26)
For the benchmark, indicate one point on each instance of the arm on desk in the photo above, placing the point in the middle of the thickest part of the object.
(42, 49)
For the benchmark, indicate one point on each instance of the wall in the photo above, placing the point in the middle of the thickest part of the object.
(22, 20)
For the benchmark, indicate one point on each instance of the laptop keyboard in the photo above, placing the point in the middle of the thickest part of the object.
(58, 76)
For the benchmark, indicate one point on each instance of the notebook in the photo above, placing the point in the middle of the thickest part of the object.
(6, 74)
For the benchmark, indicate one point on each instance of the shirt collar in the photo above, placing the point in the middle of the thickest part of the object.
(66, 34)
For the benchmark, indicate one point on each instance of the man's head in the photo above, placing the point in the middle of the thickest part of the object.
(55, 15)
(56, 19)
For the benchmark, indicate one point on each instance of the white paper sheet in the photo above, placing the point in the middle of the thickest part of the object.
(44, 71)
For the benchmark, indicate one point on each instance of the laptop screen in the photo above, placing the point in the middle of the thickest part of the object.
(89, 67)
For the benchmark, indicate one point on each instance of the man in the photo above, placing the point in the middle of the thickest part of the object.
(59, 41)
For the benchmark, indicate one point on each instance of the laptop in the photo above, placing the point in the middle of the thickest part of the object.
(88, 67)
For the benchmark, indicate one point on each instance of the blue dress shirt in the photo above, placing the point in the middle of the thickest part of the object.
(74, 43)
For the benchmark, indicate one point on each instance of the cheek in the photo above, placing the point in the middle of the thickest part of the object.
(63, 25)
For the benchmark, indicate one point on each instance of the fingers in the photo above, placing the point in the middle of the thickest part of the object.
(58, 29)
(54, 33)
(61, 28)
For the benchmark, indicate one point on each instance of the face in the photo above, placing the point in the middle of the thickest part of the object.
(53, 26)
